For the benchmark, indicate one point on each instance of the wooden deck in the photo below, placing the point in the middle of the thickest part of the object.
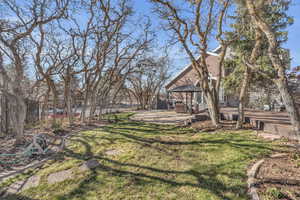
(272, 122)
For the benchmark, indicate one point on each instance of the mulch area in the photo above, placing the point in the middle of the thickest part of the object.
(8, 147)
(8, 143)
(281, 174)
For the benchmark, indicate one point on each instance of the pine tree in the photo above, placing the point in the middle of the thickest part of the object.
(253, 44)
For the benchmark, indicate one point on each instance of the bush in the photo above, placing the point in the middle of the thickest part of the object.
(56, 125)
(275, 193)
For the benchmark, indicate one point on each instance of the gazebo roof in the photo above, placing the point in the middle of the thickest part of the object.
(185, 88)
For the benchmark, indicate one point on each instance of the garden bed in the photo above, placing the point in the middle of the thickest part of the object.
(279, 177)
(10, 152)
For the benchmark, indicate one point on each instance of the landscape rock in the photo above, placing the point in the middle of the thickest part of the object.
(88, 165)
(252, 172)
(15, 187)
(60, 176)
(279, 155)
(33, 181)
(113, 152)
(22, 185)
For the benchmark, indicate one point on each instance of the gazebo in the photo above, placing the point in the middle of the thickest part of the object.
(187, 89)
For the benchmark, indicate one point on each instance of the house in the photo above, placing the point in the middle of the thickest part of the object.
(184, 93)
(184, 89)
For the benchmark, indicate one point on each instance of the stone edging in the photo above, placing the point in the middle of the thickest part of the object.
(252, 190)
(252, 172)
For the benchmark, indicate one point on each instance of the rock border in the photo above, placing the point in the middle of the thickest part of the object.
(252, 172)
(252, 189)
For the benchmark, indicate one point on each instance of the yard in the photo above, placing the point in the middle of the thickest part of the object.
(139, 160)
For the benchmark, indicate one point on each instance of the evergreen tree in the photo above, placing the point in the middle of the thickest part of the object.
(252, 47)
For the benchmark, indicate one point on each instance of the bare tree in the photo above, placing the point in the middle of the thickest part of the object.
(193, 30)
(93, 42)
(147, 80)
(69, 79)
(104, 45)
(126, 52)
(223, 41)
(13, 34)
(51, 56)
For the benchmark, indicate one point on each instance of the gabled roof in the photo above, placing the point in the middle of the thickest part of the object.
(189, 66)
(185, 88)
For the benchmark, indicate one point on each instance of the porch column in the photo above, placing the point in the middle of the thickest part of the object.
(168, 100)
(186, 102)
(191, 108)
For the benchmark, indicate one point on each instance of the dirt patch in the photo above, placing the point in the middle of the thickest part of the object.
(162, 117)
(279, 177)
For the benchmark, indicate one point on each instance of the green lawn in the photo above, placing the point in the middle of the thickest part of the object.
(154, 162)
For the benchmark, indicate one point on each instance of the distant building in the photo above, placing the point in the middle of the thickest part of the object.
(185, 92)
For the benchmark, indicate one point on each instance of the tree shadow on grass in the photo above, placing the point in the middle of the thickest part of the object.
(17, 197)
(206, 179)
(231, 141)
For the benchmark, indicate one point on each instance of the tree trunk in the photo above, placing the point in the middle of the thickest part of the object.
(93, 105)
(213, 108)
(17, 114)
(84, 107)
(55, 104)
(290, 105)
(45, 105)
(242, 98)
(15, 96)
(208, 87)
(69, 109)
(68, 99)
(20, 116)
(52, 87)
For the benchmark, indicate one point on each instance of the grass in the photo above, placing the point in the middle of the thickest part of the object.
(154, 162)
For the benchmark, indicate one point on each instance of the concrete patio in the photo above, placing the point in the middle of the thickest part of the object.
(162, 117)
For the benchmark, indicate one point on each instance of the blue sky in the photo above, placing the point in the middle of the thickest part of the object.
(144, 7)
(294, 34)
